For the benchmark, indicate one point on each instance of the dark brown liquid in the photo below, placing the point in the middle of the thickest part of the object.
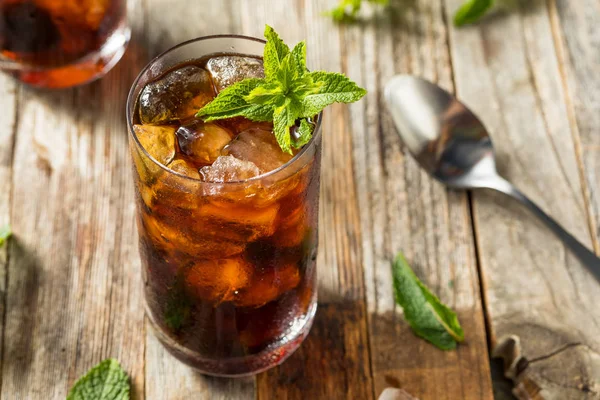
(193, 244)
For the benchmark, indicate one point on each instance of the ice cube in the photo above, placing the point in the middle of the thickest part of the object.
(240, 124)
(229, 169)
(260, 147)
(292, 229)
(238, 222)
(176, 237)
(176, 96)
(185, 168)
(201, 141)
(167, 190)
(227, 70)
(159, 141)
(89, 13)
(268, 286)
(146, 193)
(218, 280)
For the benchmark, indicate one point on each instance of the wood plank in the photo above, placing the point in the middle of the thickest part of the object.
(73, 274)
(167, 378)
(507, 71)
(403, 209)
(333, 363)
(574, 27)
(9, 103)
(577, 48)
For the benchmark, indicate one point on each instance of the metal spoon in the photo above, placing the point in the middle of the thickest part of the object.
(452, 145)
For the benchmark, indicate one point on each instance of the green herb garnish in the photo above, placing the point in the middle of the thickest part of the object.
(347, 10)
(5, 233)
(288, 95)
(472, 11)
(178, 306)
(425, 313)
(105, 381)
(468, 13)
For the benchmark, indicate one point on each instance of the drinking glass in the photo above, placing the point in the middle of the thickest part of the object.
(228, 268)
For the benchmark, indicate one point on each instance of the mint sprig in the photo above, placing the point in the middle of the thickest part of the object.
(5, 233)
(470, 12)
(428, 317)
(347, 10)
(105, 381)
(288, 95)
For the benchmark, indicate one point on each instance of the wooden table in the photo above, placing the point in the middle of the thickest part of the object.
(70, 285)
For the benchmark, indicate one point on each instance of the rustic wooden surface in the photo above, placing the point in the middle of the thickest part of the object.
(70, 283)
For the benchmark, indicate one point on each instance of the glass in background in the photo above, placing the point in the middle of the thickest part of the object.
(61, 43)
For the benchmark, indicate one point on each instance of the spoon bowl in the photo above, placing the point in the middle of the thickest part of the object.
(452, 145)
(445, 137)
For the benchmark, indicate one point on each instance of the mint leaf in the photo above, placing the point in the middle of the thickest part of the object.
(472, 11)
(304, 133)
(106, 381)
(178, 306)
(269, 93)
(231, 102)
(298, 56)
(274, 53)
(283, 119)
(5, 233)
(333, 88)
(347, 10)
(287, 74)
(468, 13)
(425, 313)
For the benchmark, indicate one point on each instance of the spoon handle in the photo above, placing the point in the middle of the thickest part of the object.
(587, 257)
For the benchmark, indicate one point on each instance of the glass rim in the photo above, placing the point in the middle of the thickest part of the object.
(131, 101)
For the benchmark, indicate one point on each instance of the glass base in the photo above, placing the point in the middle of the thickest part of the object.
(87, 69)
(238, 367)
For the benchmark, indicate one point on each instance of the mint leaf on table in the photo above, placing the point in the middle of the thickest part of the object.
(472, 11)
(289, 95)
(468, 13)
(347, 10)
(5, 233)
(428, 317)
(105, 381)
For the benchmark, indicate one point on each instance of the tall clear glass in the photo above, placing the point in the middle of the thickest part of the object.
(61, 43)
(228, 268)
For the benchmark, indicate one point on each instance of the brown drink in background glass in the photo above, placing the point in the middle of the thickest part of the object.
(227, 221)
(61, 43)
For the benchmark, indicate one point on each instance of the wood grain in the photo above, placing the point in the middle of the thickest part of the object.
(72, 297)
(404, 210)
(507, 71)
(9, 103)
(577, 49)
